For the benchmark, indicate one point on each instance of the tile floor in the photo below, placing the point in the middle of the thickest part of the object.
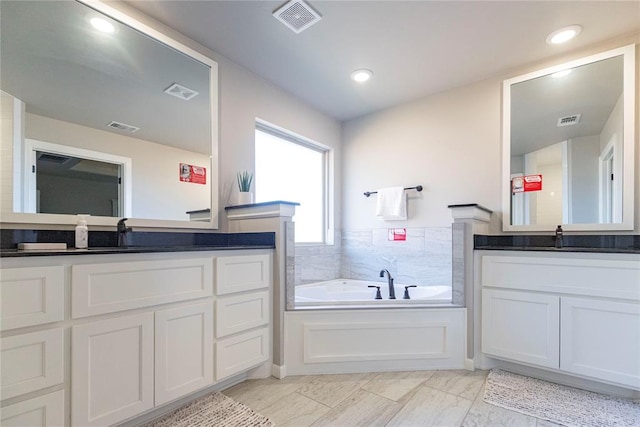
(420, 398)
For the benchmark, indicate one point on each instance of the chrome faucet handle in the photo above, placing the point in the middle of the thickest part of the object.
(378, 294)
(406, 291)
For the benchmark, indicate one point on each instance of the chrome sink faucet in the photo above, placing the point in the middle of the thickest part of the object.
(392, 291)
(122, 233)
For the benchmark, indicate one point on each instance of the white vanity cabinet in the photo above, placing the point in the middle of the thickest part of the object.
(576, 313)
(138, 331)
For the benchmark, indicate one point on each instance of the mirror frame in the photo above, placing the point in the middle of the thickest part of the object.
(628, 146)
(147, 29)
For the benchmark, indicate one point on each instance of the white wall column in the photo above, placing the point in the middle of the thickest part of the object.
(468, 219)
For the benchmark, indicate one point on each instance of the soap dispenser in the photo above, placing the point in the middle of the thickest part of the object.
(82, 233)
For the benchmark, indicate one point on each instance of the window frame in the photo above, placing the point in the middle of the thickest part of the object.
(327, 175)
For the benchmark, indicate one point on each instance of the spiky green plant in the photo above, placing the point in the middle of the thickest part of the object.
(244, 181)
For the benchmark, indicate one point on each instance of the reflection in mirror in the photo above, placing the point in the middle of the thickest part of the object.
(568, 136)
(119, 111)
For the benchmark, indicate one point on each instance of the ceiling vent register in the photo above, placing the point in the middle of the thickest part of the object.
(569, 120)
(181, 92)
(123, 126)
(297, 15)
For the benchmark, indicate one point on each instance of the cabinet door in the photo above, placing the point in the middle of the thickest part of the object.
(43, 411)
(111, 369)
(601, 339)
(184, 350)
(521, 326)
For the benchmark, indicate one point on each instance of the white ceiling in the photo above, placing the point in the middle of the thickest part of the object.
(415, 48)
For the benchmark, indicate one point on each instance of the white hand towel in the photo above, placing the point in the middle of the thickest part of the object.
(392, 204)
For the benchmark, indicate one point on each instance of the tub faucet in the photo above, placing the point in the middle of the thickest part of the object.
(392, 291)
(122, 233)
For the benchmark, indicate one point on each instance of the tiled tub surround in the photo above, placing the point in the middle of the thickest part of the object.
(423, 259)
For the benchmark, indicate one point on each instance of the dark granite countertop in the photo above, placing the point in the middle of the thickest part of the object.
(609, 243)
(105, 242)
(12, 253)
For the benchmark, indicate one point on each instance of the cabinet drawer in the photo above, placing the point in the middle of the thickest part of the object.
(587, 277)
(43, 411)
(242, 273)
(31, 362)
(241, 352)
(113, 287)
(31, 296)
(240, 313)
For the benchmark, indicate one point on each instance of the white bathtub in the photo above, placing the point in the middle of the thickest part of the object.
(350, 292)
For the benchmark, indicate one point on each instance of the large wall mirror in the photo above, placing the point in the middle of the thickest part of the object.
(568, 145)
(104, 115)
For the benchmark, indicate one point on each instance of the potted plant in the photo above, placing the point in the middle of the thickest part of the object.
(245, 196)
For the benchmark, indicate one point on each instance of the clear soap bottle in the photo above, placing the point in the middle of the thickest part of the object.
(82, 233)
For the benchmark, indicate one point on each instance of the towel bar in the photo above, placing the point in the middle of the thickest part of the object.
(417, 188)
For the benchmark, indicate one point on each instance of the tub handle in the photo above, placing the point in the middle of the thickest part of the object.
(406, 291)
(378, 294)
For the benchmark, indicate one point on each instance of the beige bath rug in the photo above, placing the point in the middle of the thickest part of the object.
(557, 403)
(213, 410)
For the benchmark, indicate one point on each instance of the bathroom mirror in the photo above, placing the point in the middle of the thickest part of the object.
(102, 114)
(568, 145)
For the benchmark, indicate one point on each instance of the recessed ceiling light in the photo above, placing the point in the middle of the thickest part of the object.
(102, 25)
(361, 76)
(564, 34)
(561, 73)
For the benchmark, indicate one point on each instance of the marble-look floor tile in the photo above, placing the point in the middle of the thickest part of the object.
(259, 394)
(294, 410)
(331, 390)
(483, 414)
(462, 383)
(545, 423)
(431, 407)
(396, 385)
(360, 409)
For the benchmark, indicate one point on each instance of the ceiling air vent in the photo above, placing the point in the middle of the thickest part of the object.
(569, 120)
(123, 127)
(181, 92)
(297, 15)
(52, 158)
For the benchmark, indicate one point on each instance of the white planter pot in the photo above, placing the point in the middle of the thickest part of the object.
(244, 198)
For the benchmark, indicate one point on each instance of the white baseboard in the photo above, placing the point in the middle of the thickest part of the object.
(469, 365)
(279, 371)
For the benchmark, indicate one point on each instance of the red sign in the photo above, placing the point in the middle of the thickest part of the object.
(521, 184)
(193, 174)
(397, 234)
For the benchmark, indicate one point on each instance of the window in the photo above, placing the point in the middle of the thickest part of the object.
(292, 169)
